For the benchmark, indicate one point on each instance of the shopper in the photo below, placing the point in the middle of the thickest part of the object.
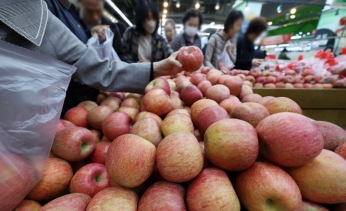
(142, 42)
(224, 40)
(169, 30)
(192, 22)
(259, 54)
(18, 25)
(91, 15)
(283, 55)
(245, 44)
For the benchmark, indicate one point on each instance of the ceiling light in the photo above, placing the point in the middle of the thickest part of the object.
(292, 16)
(163, 16)
(217, 6)
(197, 5)
(178, 4)
(279, 8)
(247, 6)
(308, 33)
(164, 11)
(212, 24)
(293, 10)
(300, 32)
(165, 4)
(119, 12)
(270, 23)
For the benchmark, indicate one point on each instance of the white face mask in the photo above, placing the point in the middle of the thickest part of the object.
(149, 26)
(190, 31)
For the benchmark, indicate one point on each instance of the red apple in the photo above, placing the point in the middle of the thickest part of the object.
(78, 116)
(204, 86)
(248, 83)
(230, 103)
(97, 115)
(97, 135)
(198, 106)
(265, 99)
(289, 79)
(17, 178)
(309, 79)
(63, 124)
(214, 78)
(327, 86)
(100, 152)
(298, 86)
(246, 90)
(279, 85)
(270, 79)
(323, 179)
(71, 202)
(341, 150)
(290, 72)
(218, 93)
(262, 80)
(172, 84)
(282, 104)
(158, 102)
(210, 115)
(111, 198)
(191, 57)
(251, 98)
(206, 162)
(130, 160)
(250, 112)
(211, 190)
(182, 84)
(190, 94)
(28, 205)
(333, 135)
(319, 78)
(289, 139)
(234, 85)
(205, 70)
(90, 179)
(308, 86)
(73, 144)
(258, 85)
(87, 105)
(145, 114)
(289, 86)
(149, 129)
(265, 186)
(179, 157)
(158, 83)
(116, 124)
(178, 111)
(55, 179)
(298, 79)
(310, 206)
(132, 112)
(163, 196)
(223, 78)
(255, 72)
(318, 86)
(197, 78)
(101, 97)
(112, 102)
(212, 71)
(270, 86)
(137, 97)
(250, 78)
(175, 99)
(119, 95)
(177, 123)
(130, 102)
(231, 144)
(280, 78)
(266, 73)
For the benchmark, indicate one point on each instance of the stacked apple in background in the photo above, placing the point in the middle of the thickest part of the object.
(201, 142)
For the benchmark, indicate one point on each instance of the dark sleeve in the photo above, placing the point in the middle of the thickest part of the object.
(126, 43)
(243, 61)
(175, 44)
(167, 48)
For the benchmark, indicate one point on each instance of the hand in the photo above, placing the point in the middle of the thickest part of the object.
(256, 62)
(143, 61)
(95, 30)
(169, 66)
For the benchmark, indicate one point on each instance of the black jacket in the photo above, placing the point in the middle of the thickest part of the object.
(245, 53)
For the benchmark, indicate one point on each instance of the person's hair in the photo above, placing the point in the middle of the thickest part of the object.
(170, 21)
(257, 26)
(192, 13)
(232, 17)
(284, 50)
(142, 11)
(329, 47)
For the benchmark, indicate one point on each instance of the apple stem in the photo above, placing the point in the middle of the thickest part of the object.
(270, 201)
(97, 178)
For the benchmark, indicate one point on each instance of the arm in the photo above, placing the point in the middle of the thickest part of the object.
(233, 55)
(209, 53)
(175, 44)
(126, 43)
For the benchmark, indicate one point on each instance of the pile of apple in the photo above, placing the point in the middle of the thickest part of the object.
(202, 142)
(286, 79)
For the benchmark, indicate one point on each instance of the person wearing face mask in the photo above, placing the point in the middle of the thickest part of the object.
(142, 42)
(224, 40)
(192, 22)
(169, 30)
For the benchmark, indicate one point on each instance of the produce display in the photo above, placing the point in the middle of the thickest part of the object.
(198, 141)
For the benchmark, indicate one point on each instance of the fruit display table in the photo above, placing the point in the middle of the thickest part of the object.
(319, 104)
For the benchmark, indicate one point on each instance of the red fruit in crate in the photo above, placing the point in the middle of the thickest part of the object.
(78, 116)
(191, 57)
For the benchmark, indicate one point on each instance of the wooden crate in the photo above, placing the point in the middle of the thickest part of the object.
(319, 104)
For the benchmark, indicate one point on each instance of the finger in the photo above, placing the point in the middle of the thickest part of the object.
(176, 63)
(175, 54)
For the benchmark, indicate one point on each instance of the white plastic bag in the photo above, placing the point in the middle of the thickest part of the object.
(104, 49)
(32, 93)
(224, 61)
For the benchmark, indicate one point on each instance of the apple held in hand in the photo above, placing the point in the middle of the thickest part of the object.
(130, 160)
(191, 57)
(74, 144)
(212, 190)
(289, 139)
(55, 179)
(70, 202)
(90, 179)
(265, 186)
